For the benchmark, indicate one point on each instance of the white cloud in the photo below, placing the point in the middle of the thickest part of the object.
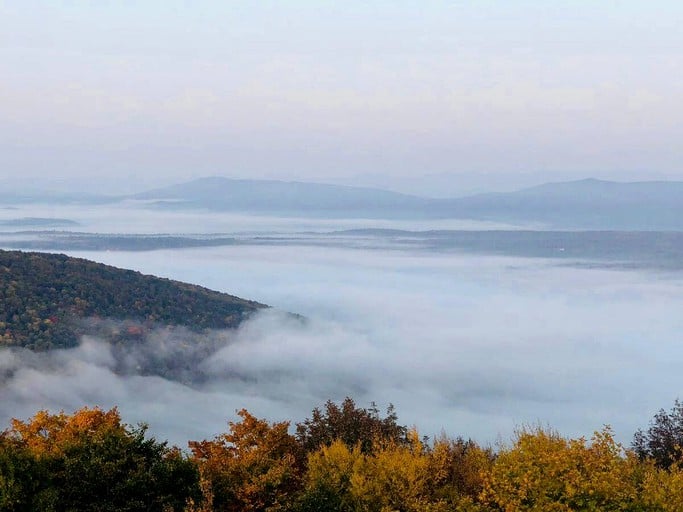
(475, 345)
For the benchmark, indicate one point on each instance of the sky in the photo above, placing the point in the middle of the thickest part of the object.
(430, 97)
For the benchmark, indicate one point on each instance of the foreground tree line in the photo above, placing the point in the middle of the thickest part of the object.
(344, 458)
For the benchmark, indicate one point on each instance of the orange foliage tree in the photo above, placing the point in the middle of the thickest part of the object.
(255, 466)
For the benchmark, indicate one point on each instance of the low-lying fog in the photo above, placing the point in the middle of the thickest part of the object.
(131, 217)
(474, 345)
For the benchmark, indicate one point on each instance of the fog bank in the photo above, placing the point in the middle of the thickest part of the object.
(472, 345)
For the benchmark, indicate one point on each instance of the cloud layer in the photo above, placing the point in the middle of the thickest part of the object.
(472, 345)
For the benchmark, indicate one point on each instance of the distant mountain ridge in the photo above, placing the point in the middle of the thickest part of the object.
(45, 297)
(283, 197)
(581, 204)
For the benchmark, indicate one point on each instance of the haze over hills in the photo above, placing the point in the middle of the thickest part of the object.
(287, 197)
(37, 222)
(587, 204)
(583, 204)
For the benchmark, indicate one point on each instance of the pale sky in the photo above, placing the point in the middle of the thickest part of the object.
(425, 96)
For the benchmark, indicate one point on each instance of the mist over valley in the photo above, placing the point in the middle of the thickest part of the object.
(471, 327)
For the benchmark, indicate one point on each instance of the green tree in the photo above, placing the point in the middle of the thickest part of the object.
(350, 424)
(23, 479)
(95, 462)
(663, 440)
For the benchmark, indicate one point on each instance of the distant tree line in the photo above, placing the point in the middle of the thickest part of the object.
(344, 458)
(43, 296)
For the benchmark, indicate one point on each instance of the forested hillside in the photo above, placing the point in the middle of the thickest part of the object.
(43, 297)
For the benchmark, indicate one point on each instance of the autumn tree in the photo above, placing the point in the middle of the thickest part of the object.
(256, 466)
(662, 489)
(329, 472)
(544, 471)
(457, 469)
(407, 477)
(394, 477)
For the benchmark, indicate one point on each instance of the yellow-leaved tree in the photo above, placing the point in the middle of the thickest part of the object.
(328, 478)
(543, 471)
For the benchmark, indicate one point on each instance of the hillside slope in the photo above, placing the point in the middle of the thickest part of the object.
(45, 297)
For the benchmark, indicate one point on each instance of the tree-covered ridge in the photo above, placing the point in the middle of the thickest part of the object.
(42, 297)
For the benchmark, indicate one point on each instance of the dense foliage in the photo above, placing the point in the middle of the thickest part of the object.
(91, 461)
(42, 296)
(351, 425)
(255, 466)
(663, 440)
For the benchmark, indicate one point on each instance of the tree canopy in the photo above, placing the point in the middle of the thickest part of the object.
(663, 439)
(43, 296)
(91, 461)
(350, 424)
